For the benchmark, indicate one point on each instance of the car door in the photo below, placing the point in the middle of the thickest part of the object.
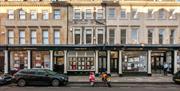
(42, 77)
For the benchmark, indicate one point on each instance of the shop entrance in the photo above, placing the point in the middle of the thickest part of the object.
(158, 59)
(157, 64)
(59, 64)
(102, 61)
(58, 61)
(114, 62)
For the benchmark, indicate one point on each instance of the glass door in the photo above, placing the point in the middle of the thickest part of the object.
(114, 64)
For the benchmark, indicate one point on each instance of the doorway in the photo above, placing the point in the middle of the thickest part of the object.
(114, 65)
(59, 64)
(102, 61)
(157, 64)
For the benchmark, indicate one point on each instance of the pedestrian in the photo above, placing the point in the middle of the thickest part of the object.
(92, 78)
(165, 68)
(106, 79)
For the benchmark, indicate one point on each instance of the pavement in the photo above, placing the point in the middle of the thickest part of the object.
(129, 79)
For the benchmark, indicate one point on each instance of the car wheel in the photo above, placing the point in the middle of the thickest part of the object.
(21, 83)
(55, 83)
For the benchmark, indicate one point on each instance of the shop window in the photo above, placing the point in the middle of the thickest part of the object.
(18, 60)
(81, 61)
(178, 61)
(41, 59)
(134, 61)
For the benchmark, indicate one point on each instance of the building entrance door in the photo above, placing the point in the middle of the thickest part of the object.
(114, 65)
(157, 64)
(102, 65)
(59, 64)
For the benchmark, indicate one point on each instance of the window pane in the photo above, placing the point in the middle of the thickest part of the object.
(45, 37)
(45, 15)
(22, 14)
(172, 36)
(161, 33)
(111, 13)
(33, 15)
(10, 14)
(77, 14)
(77, 36)
(123, 13)
(150, 36)
(57, 14)
(111, 36)
(123, 36)
(88, 14)
(134, 35)
(56, 36)
(100, 14)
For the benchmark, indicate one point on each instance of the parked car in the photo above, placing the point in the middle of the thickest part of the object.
(176, 77)
(39, 77)
(5, 79)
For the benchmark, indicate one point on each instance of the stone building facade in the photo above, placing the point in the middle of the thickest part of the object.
(121, 37)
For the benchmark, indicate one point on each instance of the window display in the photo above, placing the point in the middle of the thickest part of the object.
(134, 61)
(41, 59)
(81, 62)
(18, 60)
(178, 61)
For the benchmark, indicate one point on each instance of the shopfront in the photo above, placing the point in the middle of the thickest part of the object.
(58, 61)
(158, 59)
(134, 62)
(80, 61)
(1, 61)
(41, 59)
(18, 60)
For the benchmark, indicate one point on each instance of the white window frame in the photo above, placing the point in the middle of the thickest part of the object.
(45, 15)
(22, 15)
(33, 36)
(91, 30)
(44, 36)
(74, 32)
(123, 10)
(111, 16)
(33, 15)
(162, 34)
(135, 41)
(121, 34)
(89, 14)
(58, 37)
(75, 11)
(22, 38)
(100, 32)
(99, 14)
(11, 14)
(10, 36)
(57, 14)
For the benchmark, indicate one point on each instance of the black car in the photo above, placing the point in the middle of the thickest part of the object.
(5, 79)
(176, 77)
(39, 77)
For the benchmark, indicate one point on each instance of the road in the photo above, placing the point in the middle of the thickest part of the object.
(98, 87)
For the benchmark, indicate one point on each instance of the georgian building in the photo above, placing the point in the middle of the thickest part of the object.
(123, 37)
